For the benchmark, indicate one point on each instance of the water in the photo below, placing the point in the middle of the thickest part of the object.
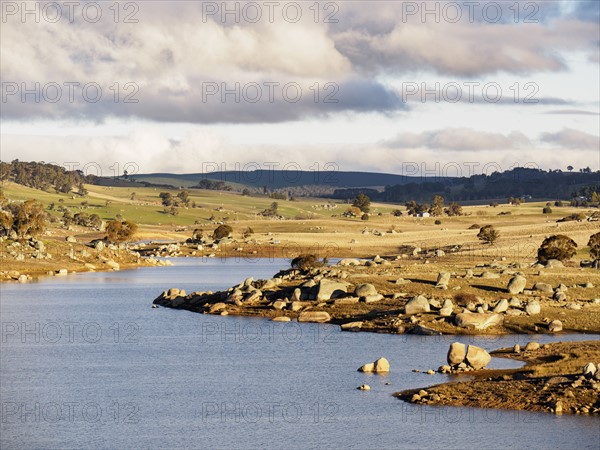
(87, 363)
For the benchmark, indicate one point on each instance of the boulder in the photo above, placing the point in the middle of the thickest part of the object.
(478, 321)
(516, 285)
(456, 353)
(329, 289)
(555, 326)
(217, 307)
(281, 319)
(365, 290)
(543, 287)
(364, 387)
(314, 316)
(351, 326)
(589, 370)
(490, 275)
(532, 347)
(477, 357)
(373, 298)
(279, 304)
(349, 262)
(442, 280)
(417, 305)
(533, 307)
(554, 264)
(501, 306)
(381, 365)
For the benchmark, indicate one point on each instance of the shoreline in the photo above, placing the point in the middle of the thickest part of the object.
(551, 380)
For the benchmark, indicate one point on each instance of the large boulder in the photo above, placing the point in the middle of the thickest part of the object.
(314, 316)
(442, 280)
(533, 307)
(456, 353)
(349, 262)
(381, 365)
(477, 357)
(417, 305)
(365, 290)
(501, 306)
(555, 326)
(329, 289)
(554, 264)
(478, 321)
(516, 285)
(543, 287)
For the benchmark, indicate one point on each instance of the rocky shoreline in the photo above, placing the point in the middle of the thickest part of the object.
(360, 296)
(560, 378)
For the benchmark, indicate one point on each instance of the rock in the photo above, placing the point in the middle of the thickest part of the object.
(364, 387)
(62, 272)
(314, 316)
(501, 306)
(278, 304)
(517, 348)
(543, 287)
(400, 281)
(364, 290)
(22, 278)
(113, 265)
(349, 262)
(490, 275)
(381, 365)
(555, 326)
(446, 312)
(296, 306)
(297, 295)
(456, 353)
(329, 289)
(89, 266)
(533, 307)
(430, 372)
(417, 305)
(558, 407)
(554, 264)
(532, 347)
(589, 370)
(248, 281)
(281, 319)
(351, 326)
(71, 239)
(217, 307)
(347, 301)
(477, 357)
(373, 298)
(99, 245)
(477, 320)
(560, 296)
(442, 280)
(516, 285)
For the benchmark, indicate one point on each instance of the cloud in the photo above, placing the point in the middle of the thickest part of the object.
(572, 139)
(459, 139)
(573, 112)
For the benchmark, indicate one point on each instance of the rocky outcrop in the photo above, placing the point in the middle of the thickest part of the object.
(478, 321)
(381, 365)
(417, 305)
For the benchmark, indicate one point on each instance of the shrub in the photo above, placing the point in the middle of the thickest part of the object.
(474, 227)
(463, 298)
(365, 216)
(247, 233)
(438, 222)
(488, 234)
(572, 217)
(558, 246)
(306, 262)
(594, 245)
(222, 231)
(558, 204)
(454, 209)
(547, 210)
(27, 218)
(120, 231)
(397, 213)
(362, 202)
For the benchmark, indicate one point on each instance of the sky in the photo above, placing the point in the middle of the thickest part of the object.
(408, 87)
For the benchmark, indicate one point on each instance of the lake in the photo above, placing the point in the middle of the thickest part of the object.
(87, 363)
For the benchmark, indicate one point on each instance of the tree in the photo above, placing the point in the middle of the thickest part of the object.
(570, 168)
(454, 209)
(167, 198)
(120, 230)
(222, 231)
(397, 213)
(437, 206)
(198, 235)
(246, 192)
(558, 246)
(272, 210)
(29, 218)
(133, 194)
(594, 245)
(547, 210)
(184, 197)
(362, 202)
(365, 216)
(488, 234)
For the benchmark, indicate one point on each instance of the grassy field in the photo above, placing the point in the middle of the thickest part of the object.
(310, 226)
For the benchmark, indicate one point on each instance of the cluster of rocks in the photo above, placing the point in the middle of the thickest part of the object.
(380, 365)
(464, 358)
(30, 246)
(424, 398)
(571, 386)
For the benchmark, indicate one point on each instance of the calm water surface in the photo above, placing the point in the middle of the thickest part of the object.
(87, 363)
